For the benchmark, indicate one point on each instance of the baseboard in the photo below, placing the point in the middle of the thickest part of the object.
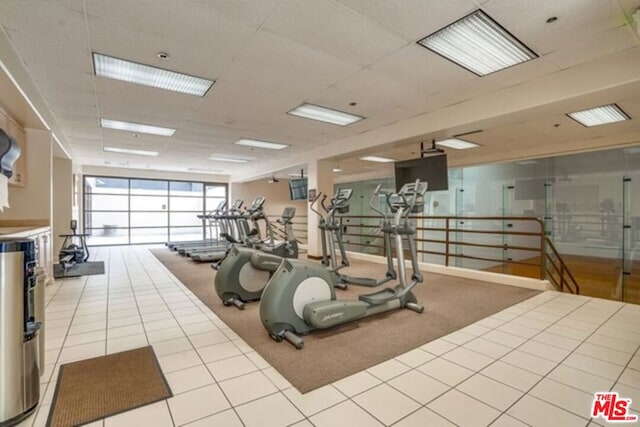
(502, 279)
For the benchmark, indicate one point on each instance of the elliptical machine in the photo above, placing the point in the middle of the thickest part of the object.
(74, 248)
(245, 271)
(300, 296)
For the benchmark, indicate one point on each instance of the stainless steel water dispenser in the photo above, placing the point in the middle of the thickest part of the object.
(19, 370)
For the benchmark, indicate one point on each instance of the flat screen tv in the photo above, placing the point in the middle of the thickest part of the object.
(431, 169)
(298, 189)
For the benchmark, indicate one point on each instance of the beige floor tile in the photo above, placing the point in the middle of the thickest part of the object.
(344, 414)
(177, 361)
(316, 400)
(422, 418)
(195, 404)
(445, 371)
(475, 413)
(491, 392)
(538, 413)
(154, 415)
(386, 403)
(270, 411)
(387, 370)
(217, 352)
(231, 367)
(189, 379)
(248, 387)
(419, 387)
(226, 418)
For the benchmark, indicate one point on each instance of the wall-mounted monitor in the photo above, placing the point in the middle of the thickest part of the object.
(431, 169)
(298, 189)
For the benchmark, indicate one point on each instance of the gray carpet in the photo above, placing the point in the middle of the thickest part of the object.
(450, 304)
(83, 269)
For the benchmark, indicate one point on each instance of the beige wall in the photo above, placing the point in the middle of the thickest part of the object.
(34, 200)
(277, 195)
(62, 199)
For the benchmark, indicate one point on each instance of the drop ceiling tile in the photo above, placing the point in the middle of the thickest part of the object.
(135, 103)
(274, 63)
(40, 50)
(149, 16)
(372, 88)
(427, 72)
(525, 19)
(414, 19)
(250, 11)
(594, 46)
(350, 36)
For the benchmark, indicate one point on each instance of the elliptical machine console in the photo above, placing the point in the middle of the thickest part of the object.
(300, 297)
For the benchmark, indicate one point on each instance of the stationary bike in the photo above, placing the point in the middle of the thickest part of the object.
(245, 271)
(300, 296)
(74, 248)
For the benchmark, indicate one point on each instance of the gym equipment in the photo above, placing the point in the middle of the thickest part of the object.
(74, 248)
(249, 237)
(206, 223)
(244, 272)
(300, 297)
(220, 220)
(332, 228)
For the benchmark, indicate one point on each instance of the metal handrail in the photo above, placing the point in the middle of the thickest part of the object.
(562, 270)
(548, 265)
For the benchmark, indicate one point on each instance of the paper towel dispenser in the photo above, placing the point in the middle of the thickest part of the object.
(9, 153)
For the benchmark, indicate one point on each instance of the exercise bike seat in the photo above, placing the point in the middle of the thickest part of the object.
(380, 297)
(264, 261)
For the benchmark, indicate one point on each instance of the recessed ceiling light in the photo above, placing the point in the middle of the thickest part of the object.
(458, 144)
(136, 127)
(599, 115)
(377, 159)
(337, 170)
(479, 44)
(229, 159)
(261, 144)
(129, 151)
(324, 114)
(133, 72)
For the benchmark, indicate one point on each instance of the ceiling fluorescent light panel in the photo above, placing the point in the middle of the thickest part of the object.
(479, 44)
(146, 75)
(324, 114)
(129, 151)
(457, 144)
(377, 159)
(600, 115)
(136, 127)
(254, 143)
(228, 159)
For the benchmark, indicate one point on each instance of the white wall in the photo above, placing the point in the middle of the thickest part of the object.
(62, 199)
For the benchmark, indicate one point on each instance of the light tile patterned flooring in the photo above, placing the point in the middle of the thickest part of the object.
(537, 363)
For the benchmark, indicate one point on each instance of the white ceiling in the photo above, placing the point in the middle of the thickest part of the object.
(269, 56)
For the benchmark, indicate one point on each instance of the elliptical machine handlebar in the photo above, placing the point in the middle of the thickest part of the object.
(377, 194)
(314, 203)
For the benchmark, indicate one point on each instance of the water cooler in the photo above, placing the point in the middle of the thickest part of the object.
(19, 330)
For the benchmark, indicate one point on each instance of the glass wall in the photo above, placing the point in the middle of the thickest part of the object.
(589, 204)
(131, 210)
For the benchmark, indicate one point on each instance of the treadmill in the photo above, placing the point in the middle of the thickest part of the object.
(245, 235)
(227, 224)
(222, 206)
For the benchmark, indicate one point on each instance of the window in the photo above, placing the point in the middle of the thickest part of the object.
(133, 210)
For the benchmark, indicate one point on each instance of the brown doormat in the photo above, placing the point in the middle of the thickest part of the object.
(92, 389)
(450, 304)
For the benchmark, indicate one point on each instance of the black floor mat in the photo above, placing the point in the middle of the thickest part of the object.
(82, 269)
